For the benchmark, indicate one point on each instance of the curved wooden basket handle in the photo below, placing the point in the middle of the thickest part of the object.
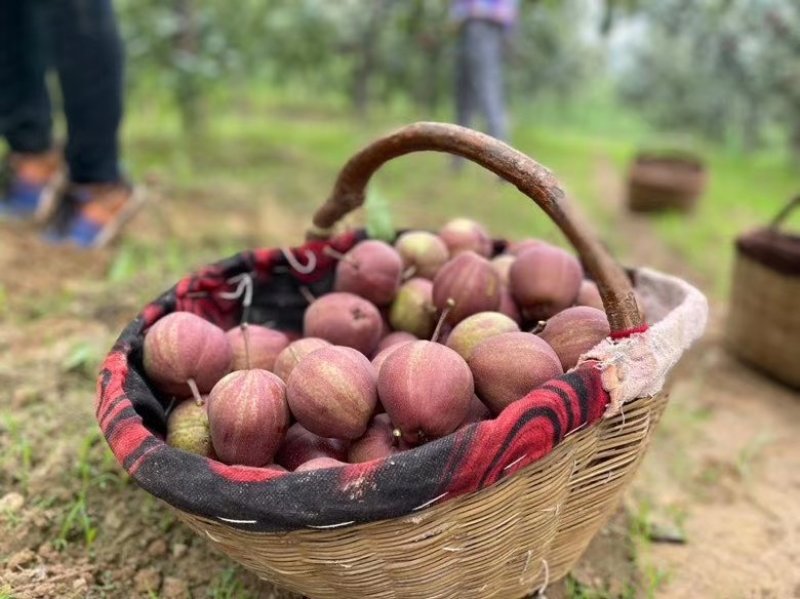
(784, 213)
(530, 178)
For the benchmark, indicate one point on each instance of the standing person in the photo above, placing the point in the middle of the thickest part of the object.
(82, 39)
(482, 29)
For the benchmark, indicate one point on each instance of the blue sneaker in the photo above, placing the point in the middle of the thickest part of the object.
(92, 216)
(28, 186)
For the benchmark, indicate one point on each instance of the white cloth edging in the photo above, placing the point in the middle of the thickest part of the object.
(637, 366)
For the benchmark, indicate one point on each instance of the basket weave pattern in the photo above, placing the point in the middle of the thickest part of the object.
(764, 323)
(504, 541)
(664, 184)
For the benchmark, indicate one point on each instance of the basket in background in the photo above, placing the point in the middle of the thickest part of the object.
(665, 181)
(763, 326)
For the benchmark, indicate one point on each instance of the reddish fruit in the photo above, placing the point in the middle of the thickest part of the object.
(575, 331)
(477, 411)
(371, 269)
(507, 367)
(381, 356)
(473, 330)
(517, 247)
(332, 392)
(394, 339)
(470, 282)
(463, 234)
(378, 442)
(424, 252)
(248, 416)
(589, 295)
(294, 352)
(319, 464)
(263, 346)
(426, 389)
(502, 265)
(277, 467)
(301, 445)
(545, 280)
(182, 346)
(412, 310)
(187, 428)
(344, 319)
(508, 306)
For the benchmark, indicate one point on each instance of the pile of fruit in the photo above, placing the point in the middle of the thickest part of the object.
(414, 342)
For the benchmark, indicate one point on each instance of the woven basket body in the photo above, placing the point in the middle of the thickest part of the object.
(665, 183)
(764, 322)
(505, 541)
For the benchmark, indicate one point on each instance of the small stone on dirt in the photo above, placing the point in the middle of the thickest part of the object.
(157, 548)
(20, 559)
(11, 503)
(146, 580)
(179, 550)
(175, 588)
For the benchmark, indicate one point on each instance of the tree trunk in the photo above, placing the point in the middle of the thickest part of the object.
(188, 92)
(367, 57)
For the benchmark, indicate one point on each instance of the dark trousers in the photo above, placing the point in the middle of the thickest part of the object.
(80, 39)
(479, 75)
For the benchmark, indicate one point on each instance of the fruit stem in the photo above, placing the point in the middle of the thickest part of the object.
(397, 434)
(246, 338)
(445, 312)
(329, 251)
(409, 272)
(539, 327)
(306, 293)
(198, 399)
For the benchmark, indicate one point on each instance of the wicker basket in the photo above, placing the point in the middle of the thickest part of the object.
(666, 181)
(507, 539)
(764, 321)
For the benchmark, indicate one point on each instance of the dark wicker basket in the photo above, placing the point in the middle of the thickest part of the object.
(667, 181)
(764, 320)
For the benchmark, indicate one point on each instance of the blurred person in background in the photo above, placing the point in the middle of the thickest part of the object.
(80, 38)
(483, 28)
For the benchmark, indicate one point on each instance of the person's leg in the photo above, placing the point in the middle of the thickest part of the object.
(488, 57)
(25, 117)
(463, 85)
(89, 59)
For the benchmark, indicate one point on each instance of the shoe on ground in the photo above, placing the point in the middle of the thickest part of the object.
(29, 185)
(91, 216)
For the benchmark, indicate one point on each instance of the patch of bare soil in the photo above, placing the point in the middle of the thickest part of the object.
(724, 468)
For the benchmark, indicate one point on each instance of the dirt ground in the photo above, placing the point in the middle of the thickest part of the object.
(722, 476)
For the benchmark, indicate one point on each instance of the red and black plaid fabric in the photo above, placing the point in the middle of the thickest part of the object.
(132, 416)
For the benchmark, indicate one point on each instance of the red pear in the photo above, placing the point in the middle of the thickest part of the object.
(319, 464)
(508, 306)
(502, 266)
(394, 339)
(344, 319)
(371, 269)
(463, 234)
(294, 352)
(378, 442)
(575, 331)
(332, 392)
(517, 247)
(181, 347)
(507, 367)
(381, 356)
(301, 445)
(248, 417)
(263, 346)
(545, 280)
(470, 282)
(426, 389)
(423, 252)
(589, 295)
